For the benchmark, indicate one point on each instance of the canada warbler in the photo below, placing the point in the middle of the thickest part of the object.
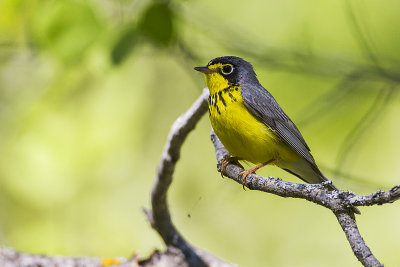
(251, 125)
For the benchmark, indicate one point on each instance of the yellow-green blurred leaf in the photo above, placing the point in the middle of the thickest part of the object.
(65, 28)
(124, 45)
(157, 23)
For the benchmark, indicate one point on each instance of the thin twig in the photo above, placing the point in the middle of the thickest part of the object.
(357, 243)
(337, 201)
(10, 257)
(378, 198)
(159, 216)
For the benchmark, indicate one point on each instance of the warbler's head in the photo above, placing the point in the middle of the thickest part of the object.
(222, 72)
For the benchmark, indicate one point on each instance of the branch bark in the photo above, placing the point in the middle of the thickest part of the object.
(159, 216)
(337, 201)
(179, 252)
(12, 258)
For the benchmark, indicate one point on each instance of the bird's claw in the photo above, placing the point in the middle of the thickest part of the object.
(226, 161)
(244, 175)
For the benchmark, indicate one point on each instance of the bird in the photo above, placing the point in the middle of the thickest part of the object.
(252, 126)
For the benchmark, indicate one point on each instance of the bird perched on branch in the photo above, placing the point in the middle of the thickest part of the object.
(252, 126)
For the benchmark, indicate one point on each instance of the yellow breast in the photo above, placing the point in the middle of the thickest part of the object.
(242, 134)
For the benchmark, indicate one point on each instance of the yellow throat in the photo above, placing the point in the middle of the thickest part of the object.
(215, 81)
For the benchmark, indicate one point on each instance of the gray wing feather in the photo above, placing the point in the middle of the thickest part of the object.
(263, 105)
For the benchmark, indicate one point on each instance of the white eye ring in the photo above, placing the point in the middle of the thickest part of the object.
(227, 69)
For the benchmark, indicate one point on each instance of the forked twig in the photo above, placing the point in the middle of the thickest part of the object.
(337, 201)
(179, 252)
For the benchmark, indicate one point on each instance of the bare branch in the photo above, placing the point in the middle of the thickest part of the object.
(171, 257)
(357, 243)
(378, 198)
(179, 252)
(337, 201)
(159, 216)
(10, 258)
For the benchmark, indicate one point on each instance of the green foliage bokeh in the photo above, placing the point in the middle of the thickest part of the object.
(89, 90)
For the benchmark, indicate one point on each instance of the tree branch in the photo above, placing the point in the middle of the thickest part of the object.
(159, 216)
(337, 201)
(10, 258)
(171, 257)
(357, 243)
(377, 198)
(179, 252)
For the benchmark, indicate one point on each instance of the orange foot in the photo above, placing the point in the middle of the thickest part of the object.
(245, 173)
(226, 161)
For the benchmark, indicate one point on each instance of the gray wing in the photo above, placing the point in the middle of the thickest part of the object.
(263, 105)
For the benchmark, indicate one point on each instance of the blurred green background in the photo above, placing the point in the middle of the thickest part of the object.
(89, 90)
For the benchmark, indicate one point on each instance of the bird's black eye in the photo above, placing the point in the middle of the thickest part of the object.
(227, 69)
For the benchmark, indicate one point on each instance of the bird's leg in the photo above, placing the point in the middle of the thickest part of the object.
(245, 173)
(224, 163)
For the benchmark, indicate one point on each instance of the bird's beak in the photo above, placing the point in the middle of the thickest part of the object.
(205, 70)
